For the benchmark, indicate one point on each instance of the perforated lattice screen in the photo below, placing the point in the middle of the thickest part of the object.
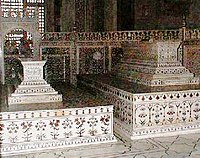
(13, 6)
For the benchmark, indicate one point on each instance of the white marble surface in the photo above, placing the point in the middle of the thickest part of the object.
(181, 146)
(33, 89)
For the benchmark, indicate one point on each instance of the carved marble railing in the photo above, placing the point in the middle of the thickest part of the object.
(144, 115)
(114, 36)
(26, 131)
(193, 34)
(137, 35)
(130, 35)
(56, 36)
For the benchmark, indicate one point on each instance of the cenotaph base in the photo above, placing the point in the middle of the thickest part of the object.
(34, 90)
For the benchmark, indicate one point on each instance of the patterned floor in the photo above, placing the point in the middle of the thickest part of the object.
(182, 146)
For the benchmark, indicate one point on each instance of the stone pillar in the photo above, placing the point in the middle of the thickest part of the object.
(194, 16)
(73, 60)
(89, 16)
(184, 27)
(67, 15)
(36, 41)
(109, 58)
(49, 16)
(110, 13)
(2, 74)
(81, 15)
(1, 52)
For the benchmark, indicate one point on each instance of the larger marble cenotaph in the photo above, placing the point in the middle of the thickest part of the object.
(33, 89)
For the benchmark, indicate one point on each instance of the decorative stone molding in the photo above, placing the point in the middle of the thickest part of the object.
(28, 131)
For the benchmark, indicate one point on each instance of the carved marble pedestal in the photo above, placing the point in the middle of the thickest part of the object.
(33, 89)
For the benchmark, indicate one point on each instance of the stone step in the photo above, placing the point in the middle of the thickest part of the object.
(34, 90)
(40, 98)
(32, 94)
(33, 83)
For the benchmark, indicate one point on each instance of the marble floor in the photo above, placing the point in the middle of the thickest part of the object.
(181, 146)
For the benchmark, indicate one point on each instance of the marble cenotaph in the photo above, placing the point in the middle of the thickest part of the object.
(33, 89)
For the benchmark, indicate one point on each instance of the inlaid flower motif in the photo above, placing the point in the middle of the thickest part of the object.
(79, 121)
(26, 125)
(13, 128)
(54, 123)
(170, 112)
(40, 126)
(105, 119)
(197, 108)
(92, 122)
(1, 127)
(67, 123)
(142, 115)
(80, 128)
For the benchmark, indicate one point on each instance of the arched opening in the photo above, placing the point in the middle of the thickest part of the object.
(17, 43)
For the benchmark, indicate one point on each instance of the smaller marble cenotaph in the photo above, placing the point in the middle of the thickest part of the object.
(34, 89)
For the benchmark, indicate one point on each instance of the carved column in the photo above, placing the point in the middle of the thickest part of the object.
(90, 15)
(2, 74)
(67, 15)
(109, 58)
(80, 15)
(36, 37)
(110, 13)
(73, 60)
(49, 16)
